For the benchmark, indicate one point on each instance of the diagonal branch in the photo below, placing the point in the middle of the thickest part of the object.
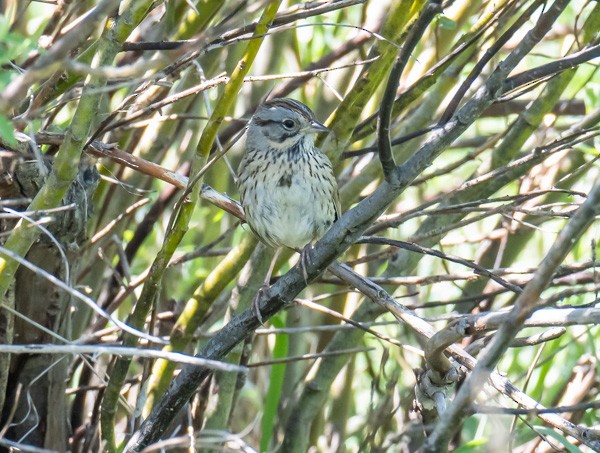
(499, 382)
(553, 68)
(431, 252)
(524, 306)
(53, 59)
(341, 236)
(485, 59)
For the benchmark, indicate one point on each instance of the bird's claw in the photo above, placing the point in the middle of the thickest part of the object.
(264, 289)
(306, 260)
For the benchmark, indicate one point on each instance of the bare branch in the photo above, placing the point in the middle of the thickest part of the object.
(388, 164)
(524, 305)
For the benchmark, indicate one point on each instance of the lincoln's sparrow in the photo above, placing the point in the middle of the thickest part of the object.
(287, 186)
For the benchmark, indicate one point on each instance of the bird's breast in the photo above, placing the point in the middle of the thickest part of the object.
(291, 202)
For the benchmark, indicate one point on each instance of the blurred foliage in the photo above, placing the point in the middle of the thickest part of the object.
(504, 224)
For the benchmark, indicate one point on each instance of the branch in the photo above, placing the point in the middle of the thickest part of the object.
(387, 104)
(548, 317)
(342, 235)
(96, 349)
(284, 18)
(112, 152)
(455, 259)
(524, 305)
(78, 295)
(550, 69)
(485, 59)
(499, 382)
(50, 61)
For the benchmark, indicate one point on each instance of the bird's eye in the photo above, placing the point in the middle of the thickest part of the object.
(289, 124)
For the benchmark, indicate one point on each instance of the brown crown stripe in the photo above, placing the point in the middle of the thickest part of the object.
(291, 104)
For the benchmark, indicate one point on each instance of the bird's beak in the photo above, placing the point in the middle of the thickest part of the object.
(316, 127)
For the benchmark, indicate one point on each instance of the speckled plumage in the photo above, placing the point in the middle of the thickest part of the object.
(287, 186)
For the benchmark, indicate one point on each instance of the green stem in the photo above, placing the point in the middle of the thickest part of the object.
(180, 224)
(66, 163)
(193, 313)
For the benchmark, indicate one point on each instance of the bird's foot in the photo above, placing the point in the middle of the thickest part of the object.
(263, 290)
(306, 260)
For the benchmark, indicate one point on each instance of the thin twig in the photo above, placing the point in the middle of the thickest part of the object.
(96, 349)
(428, 251)
(78, 295)
(387, 104)
(553, 68)
(523, 307)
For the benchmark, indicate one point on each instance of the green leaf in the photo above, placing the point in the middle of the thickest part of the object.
(7, 132)
(562, 439)
(446, 23)
(273, 396)
(471, 446)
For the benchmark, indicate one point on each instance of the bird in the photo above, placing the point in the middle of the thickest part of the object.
(287, 184)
